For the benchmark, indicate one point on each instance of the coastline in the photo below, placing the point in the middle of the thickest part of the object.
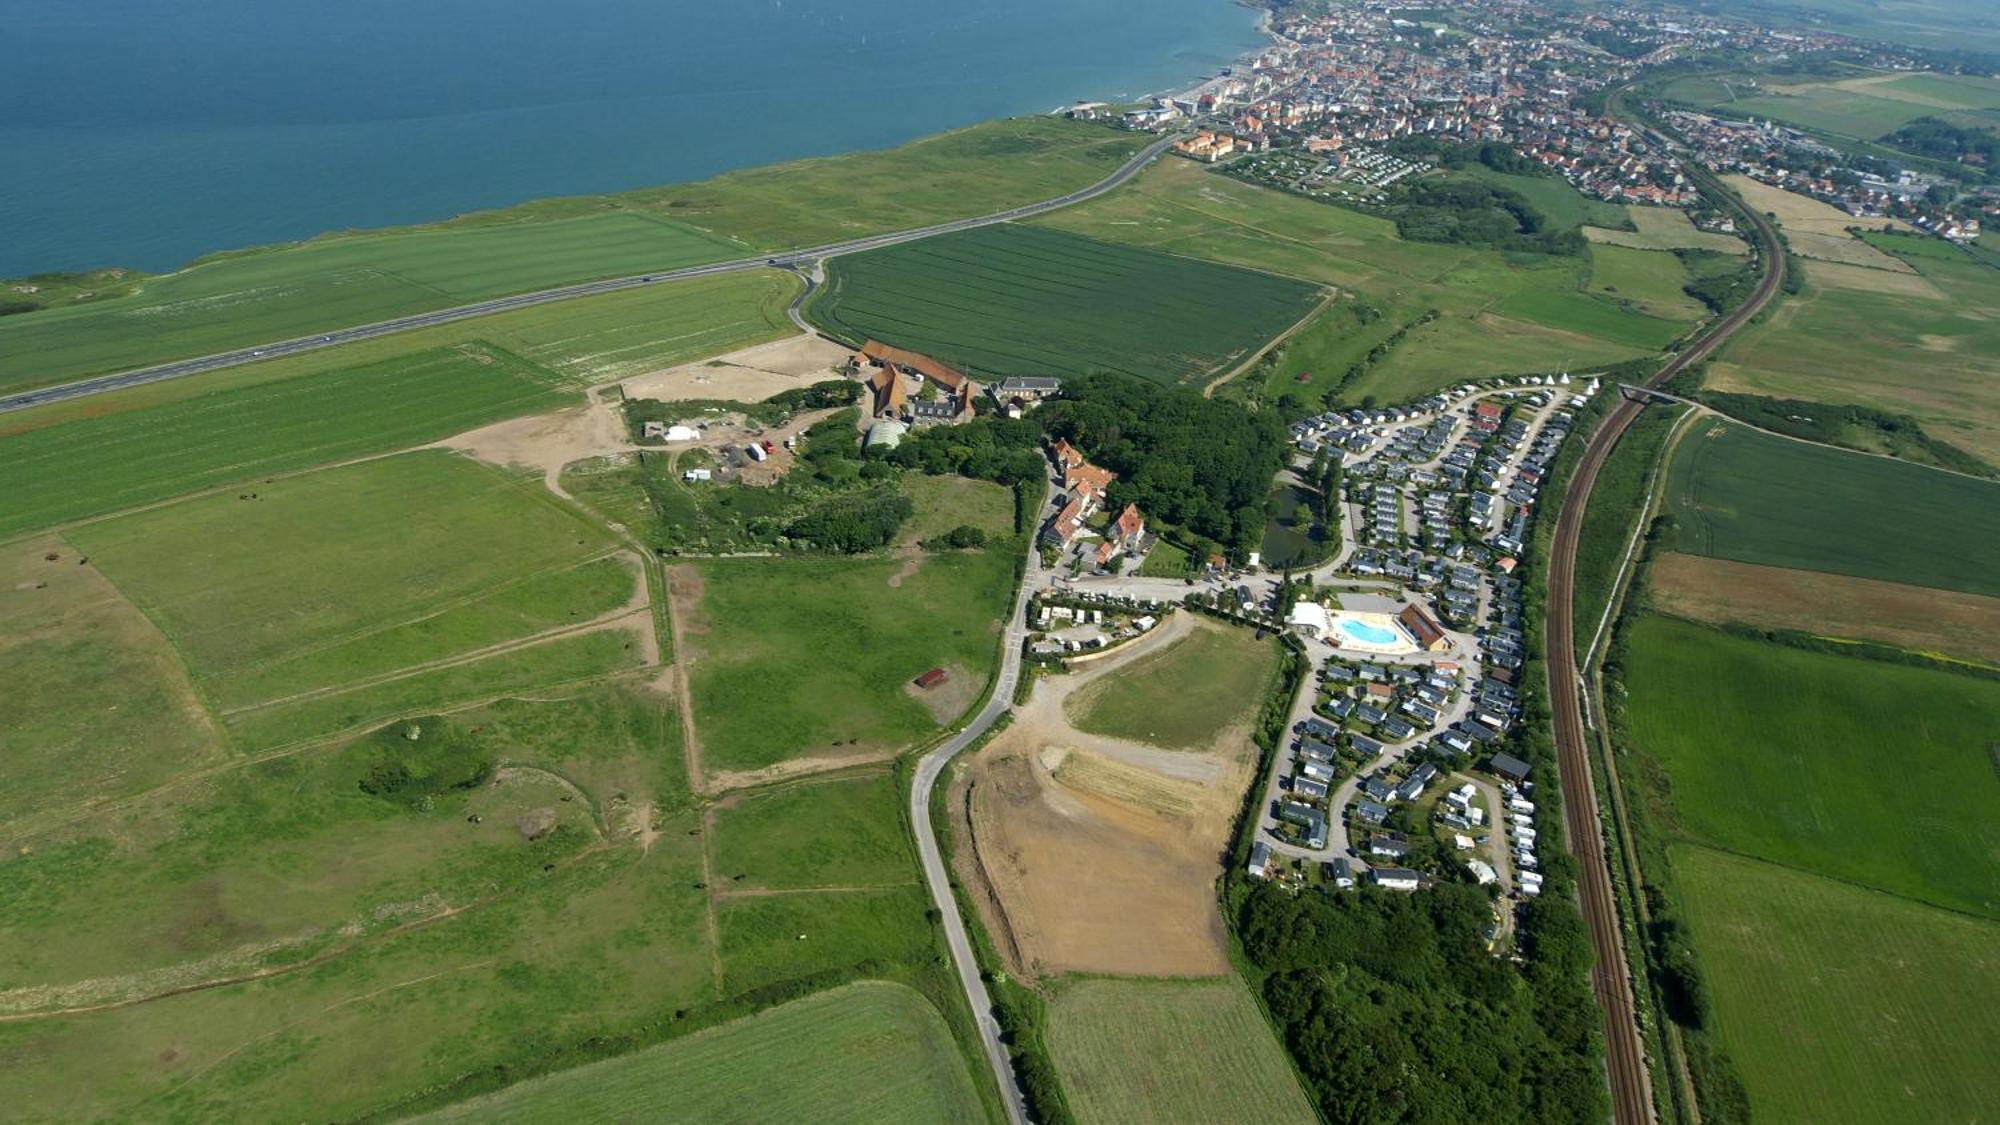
(81, 228)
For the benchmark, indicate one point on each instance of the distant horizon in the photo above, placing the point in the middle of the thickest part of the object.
(370, 115)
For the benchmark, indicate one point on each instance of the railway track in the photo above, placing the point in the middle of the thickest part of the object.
(1625, 1055)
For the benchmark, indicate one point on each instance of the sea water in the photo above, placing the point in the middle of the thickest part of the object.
(144, 133)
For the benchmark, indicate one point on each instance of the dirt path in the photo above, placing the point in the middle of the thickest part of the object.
(730, 780)
(684, 582)
(1208, 390)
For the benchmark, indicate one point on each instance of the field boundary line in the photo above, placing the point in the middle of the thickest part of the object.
(1655, 496)
(1332, 294)
(594, 625)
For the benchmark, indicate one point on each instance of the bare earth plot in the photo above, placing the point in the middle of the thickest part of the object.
(1913, 617)
(1099, 854)
(751, 375)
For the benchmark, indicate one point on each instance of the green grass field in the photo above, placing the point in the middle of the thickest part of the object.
(945, 503)
(765, 689)
(1016, 300)
(254, 296)
(868, 1052)
(1650, 280)
(1842, 1004)
(1929, 349)
(1179, 207)
(1182, 697)
(1617, 502)
(844, 831)
(333, 577)
(1877, 774)
(90, 466)
(1562, 205)
(1743, 495)
(1170, 1051)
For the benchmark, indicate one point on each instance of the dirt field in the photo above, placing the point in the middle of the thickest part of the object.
(549, 441)
(1911, 617)
(751, 375)
(1093, 854)
(1800, 214)
(1665, 228)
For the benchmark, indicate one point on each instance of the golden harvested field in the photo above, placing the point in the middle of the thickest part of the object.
(1665, 228)
(1800, 214)
(1912, 617)
(1847, 250)
(1170, 1051)
(1833, 275)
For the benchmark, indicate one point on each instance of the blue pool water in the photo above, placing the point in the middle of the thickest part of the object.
(139, 133)
(1368, 634)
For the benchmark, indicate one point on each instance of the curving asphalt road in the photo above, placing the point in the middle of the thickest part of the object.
(936, 878)
(1625, 1055)
(787, 259)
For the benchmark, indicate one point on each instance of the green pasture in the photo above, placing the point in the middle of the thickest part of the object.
(772, 938)
(843, 831)
(1933, 353)
(97, 705)
(1650, 280)
(1877, 774)
(1617, 502)
(1753, 497)
(868, 1052)
(1838, 1003)
(1184, 696)
(410, 944)
(1179, 207)
(387, 563)
(1561, 204)
(89, 466)
(1146, 1051)
(943, 503)
(272, 293)
(798, 656)
(260, 296)
(1011, 299)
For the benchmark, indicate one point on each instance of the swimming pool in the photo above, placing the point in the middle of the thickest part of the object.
(1368, 634)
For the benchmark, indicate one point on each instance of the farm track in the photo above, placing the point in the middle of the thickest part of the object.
(786, 259)
(1625, 1055)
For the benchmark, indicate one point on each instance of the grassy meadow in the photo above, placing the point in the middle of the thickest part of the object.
(764, 630)
(1018, 300)
(1145, 1051)
(1863, 106)
(867, 1052)
(1498, 313)
(1648, 281)
(1926, 345)
(1877, 774)
(253, 296)
(1756, 498)
(1838, 1003)
(839, 831)
(1184, 696)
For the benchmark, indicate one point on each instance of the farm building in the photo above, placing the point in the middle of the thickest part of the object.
(932, 678)
(1509, 767)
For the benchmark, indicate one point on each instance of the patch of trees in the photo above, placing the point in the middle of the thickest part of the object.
(416, 761)
(1003, 450)
(1719, 289)
(853, 523)
(964, 537)
(1452, 154)
(1395, 1011)
(1941, 140)
(1469, 212)
(1204, 464)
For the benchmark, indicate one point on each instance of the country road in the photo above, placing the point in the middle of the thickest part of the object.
(936, 877)
(1625, 1054)
(785, 259)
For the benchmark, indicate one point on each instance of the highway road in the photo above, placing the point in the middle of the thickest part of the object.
(936, 878)
(1625, 1055)
(787, 259)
